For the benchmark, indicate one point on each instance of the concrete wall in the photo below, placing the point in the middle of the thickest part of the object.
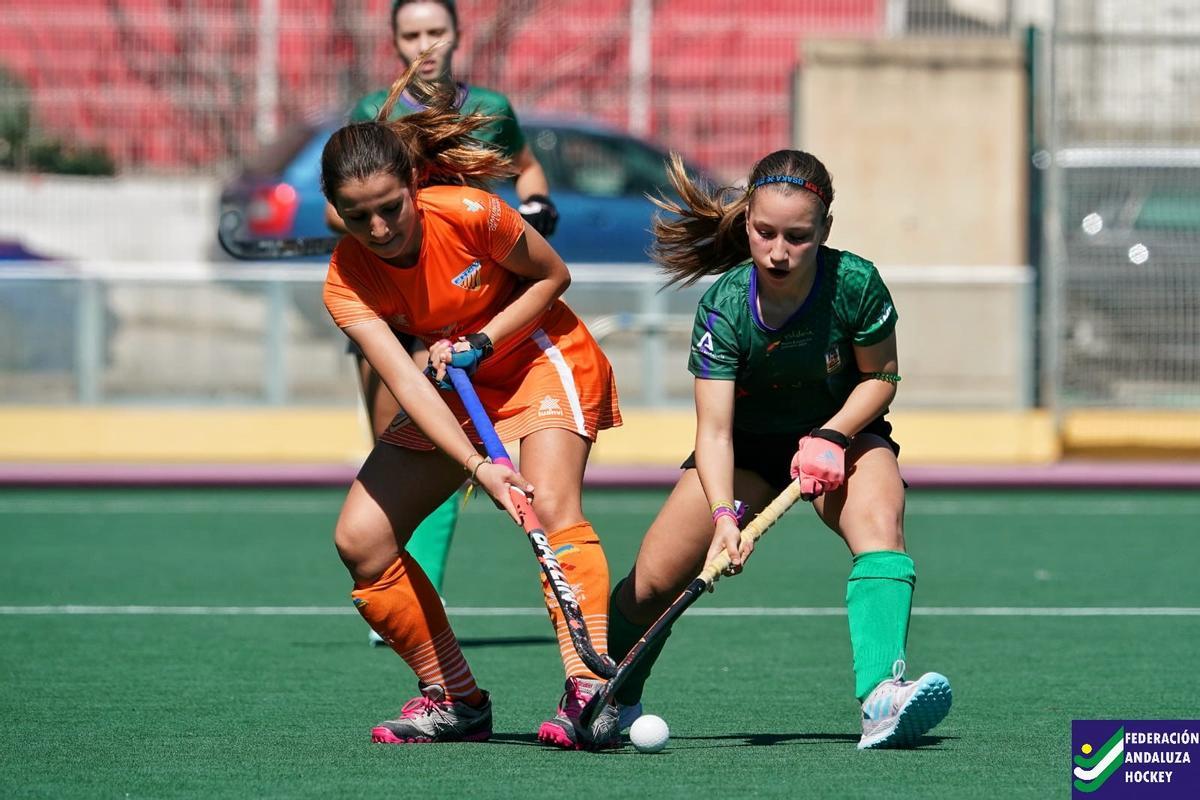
(111, 219)
(926, 143)
(965, 336)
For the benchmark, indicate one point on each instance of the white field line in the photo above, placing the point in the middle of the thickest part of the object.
(468, 611)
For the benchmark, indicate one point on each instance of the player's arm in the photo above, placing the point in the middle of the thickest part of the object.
(819, 463)
(872, 395)
(533, 191)
(544, 278)
(431, 414)
(531, 178)
(714, 463)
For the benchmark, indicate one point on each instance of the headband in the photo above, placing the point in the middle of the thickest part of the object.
(801, 182)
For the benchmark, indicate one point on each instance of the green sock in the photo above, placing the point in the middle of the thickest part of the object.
(878, 601)
(622, 636)
(430, 542)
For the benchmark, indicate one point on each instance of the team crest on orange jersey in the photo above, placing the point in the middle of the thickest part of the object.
(470, 278)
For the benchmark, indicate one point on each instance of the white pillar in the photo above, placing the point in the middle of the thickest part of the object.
(266, 83)
(641, 21)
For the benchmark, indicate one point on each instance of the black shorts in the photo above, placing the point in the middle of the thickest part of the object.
(769, 455)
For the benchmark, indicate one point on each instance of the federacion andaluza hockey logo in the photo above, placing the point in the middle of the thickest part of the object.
(1094, 766)
(1132, 758)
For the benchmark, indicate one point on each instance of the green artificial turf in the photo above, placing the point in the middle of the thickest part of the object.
(217, 704)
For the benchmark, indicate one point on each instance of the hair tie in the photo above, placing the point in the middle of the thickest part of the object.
(801, 182)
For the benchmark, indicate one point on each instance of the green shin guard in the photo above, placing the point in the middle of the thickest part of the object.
(622, 636)
(430, 542)
(878, 602)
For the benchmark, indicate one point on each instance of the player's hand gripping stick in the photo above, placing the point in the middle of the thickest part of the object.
(702, 583)
(820, 462)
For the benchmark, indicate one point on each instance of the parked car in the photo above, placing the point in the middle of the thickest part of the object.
(1131, 239)
(598, 180)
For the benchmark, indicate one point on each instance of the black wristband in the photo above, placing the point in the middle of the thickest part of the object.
(830, 435)
(481, 342)
(539, 211)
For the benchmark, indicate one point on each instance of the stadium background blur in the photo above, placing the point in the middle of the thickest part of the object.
(177, 429)
(1022, 171)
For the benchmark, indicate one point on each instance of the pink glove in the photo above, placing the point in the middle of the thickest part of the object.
(820, 463)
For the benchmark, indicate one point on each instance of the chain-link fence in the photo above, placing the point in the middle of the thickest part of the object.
(1122, 150)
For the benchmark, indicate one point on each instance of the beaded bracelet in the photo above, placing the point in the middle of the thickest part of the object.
(890, 377)
(721, 509)
(482, 460)
(724, 511)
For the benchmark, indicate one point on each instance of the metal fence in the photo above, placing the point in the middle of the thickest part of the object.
(204, 334)
(101, 333)
(183, 87)
(1120, 153)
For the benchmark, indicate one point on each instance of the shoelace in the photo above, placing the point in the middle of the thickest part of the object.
(421, 707)
(898, 670)
(573, 701)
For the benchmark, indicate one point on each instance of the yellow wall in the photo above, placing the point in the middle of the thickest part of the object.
(337, 435)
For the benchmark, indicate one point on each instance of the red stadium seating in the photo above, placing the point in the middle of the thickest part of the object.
(162, 86)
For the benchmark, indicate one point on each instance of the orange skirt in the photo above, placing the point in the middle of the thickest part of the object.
(553, 376)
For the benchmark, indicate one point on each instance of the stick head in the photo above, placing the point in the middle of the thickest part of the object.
(229, 234)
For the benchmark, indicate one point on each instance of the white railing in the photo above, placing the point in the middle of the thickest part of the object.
(258, 334)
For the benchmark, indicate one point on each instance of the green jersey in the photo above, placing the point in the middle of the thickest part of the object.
(795, 377)
(503, 133)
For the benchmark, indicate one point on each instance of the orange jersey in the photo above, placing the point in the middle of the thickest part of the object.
(456, 287)
(551, 373)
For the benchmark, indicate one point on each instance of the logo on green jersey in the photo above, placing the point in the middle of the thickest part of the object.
(833, 360)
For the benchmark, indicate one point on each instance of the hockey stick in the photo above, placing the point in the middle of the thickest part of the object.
(600, 664)
(707, 577)
(269, 249)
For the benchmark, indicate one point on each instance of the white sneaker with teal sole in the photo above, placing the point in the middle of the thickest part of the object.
(897, 713)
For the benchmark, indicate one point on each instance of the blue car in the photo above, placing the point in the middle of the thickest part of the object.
(599, 178)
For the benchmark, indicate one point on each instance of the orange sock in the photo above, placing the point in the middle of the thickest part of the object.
(579, 553)
(403, 607)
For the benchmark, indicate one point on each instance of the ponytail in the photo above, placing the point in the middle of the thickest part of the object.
(439, 142)
(706, 232)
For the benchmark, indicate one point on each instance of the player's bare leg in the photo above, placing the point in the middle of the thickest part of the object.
(430, 542)
(671, 555)
(554, 460)
(395, 597)
(868, 513)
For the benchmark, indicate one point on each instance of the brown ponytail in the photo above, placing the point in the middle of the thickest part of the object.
(706, 231)
(438, 141)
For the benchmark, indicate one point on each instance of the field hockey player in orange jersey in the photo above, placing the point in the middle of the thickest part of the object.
(431, 256)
